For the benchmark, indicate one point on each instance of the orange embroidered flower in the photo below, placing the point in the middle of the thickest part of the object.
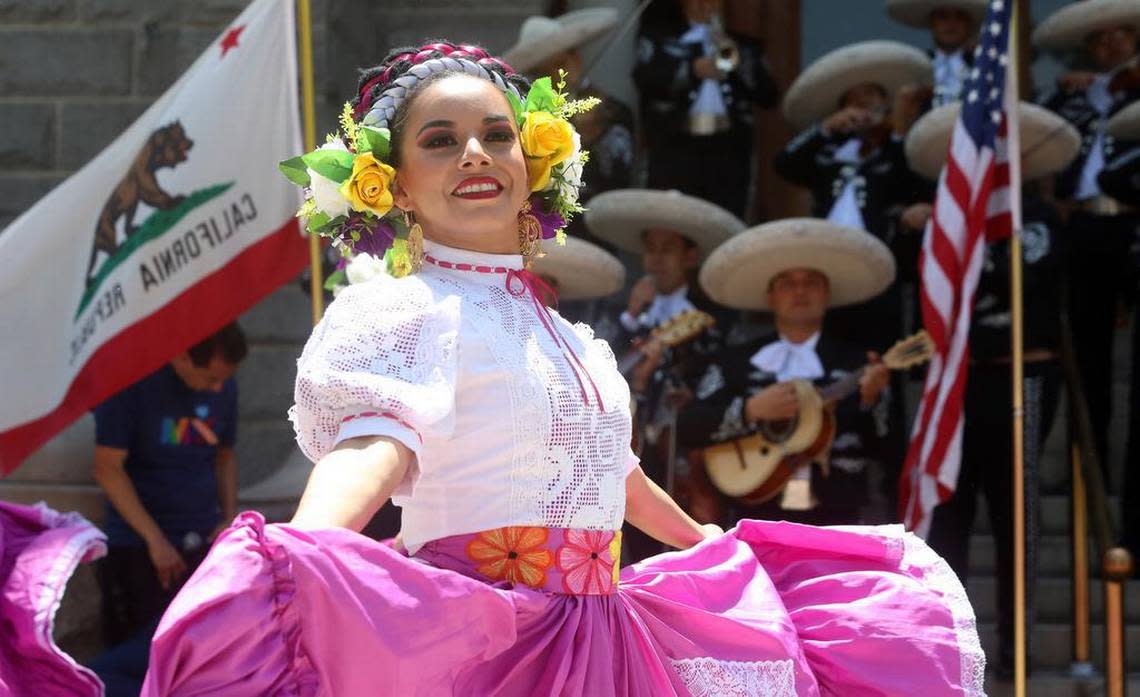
(514, 554)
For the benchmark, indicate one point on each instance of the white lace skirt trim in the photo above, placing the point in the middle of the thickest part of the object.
(711, 677)
(918, 554)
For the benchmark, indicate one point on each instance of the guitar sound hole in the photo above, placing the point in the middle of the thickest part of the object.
(778, 431)
(764, 450)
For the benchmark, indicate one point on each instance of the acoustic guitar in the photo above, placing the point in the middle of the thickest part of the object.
(758, 466)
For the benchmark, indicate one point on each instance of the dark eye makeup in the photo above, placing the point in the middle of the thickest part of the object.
(436, 139)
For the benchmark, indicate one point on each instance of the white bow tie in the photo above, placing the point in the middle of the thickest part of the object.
(790, 361)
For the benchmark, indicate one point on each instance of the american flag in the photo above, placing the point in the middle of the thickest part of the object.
(971, 207)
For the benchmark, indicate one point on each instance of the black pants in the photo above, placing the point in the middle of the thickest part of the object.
(133, 599)
(1101, 272)
(987, 457)
(716, 168)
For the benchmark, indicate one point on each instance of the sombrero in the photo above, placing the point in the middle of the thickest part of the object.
(1069, 26)
(1048, 142)
(583, 270)
(857, 265)
(1125, 124)
(916, 13)
(622, 215)
(542, 38)
(816, 92)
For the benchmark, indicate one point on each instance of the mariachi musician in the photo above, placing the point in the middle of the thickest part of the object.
(700, 86)
(953, 26)
(796, 269)
(672, 233)
(1099, 228)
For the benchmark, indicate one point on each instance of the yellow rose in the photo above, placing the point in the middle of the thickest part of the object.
(538, 172)
(545, 135)
(367, 187)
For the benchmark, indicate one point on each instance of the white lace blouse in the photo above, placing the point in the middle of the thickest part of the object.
(498, 399)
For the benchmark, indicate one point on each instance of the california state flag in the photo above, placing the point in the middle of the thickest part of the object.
(176, 228)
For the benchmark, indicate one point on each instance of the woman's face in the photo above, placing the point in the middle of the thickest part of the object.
(462, 171)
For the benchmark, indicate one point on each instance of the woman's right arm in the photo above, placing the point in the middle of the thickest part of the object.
(352, 482)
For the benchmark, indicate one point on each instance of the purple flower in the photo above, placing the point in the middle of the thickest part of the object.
(550, 222)
(376, 236)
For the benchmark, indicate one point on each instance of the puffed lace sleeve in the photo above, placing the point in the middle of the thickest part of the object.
(382, 362)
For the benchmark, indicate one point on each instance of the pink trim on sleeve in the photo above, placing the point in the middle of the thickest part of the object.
(382, 415)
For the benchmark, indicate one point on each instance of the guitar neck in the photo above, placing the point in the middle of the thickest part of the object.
(843, 388)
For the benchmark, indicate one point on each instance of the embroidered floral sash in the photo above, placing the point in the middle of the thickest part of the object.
(557, 560)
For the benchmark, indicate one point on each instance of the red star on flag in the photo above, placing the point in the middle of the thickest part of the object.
(230, 40)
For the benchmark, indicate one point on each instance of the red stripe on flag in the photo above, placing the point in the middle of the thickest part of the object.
(955, 253)
(146, 345)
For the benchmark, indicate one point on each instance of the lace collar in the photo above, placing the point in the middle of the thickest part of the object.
(469, 263)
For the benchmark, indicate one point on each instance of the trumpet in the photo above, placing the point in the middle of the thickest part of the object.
(727, 54)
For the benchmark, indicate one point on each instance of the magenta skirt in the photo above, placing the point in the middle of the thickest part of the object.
(39, 550)
(772, 609)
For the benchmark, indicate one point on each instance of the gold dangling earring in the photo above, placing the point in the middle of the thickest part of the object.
(415, 241)
(530, 233)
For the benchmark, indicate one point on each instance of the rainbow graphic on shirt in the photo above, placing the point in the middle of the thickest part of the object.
(182, 431)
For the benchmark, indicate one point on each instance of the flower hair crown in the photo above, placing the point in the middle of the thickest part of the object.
(348, 181)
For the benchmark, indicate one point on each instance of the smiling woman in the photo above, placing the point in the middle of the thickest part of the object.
(503, 433)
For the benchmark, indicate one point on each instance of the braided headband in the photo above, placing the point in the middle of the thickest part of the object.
(382, 111)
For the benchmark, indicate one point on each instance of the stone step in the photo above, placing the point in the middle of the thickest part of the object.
(1054, 556)
(1054, 514)
(1053, 599)
(1051, 648)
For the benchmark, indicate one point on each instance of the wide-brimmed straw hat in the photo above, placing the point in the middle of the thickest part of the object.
(916, 13)
(1125, 124)
(622, 216)
(1069, 26)
(1048, 142)
(542, 38)
(738, 274)
(582, 269)
(816, 92)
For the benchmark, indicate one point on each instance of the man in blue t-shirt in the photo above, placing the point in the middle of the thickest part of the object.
(164, 457)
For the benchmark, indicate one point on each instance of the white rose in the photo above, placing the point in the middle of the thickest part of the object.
(364, 267)
(326, 192)
(570, 175)
(568, 193)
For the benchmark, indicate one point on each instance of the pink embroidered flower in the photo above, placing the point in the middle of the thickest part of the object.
(586, 562)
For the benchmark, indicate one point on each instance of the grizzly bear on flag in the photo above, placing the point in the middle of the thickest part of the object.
(166, 147)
